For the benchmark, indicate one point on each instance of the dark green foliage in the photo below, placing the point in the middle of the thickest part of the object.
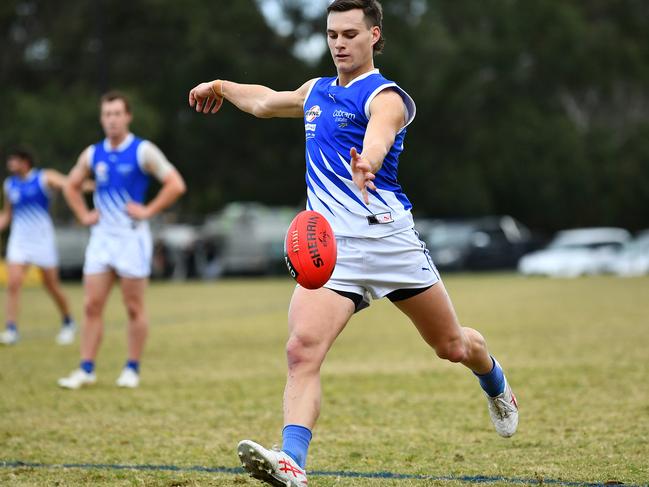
(535, 108)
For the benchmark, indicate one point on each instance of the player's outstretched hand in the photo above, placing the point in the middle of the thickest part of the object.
(204, 99)
(362, 174)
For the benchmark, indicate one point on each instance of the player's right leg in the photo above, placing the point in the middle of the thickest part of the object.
(432, 313)
(16, 275)
(96, 291)
(316, 318)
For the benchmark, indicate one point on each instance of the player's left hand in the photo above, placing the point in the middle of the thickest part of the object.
(362, 174)
(138, 211)
(203, 98)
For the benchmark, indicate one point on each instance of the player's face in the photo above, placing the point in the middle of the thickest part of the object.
(114, 118)
(16, 165)
(350, 41)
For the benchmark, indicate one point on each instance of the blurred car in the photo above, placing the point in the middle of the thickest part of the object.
(174, 250)
(244, 238)
(576, 252)
(633, 258)
(492, 242)
(71, 242)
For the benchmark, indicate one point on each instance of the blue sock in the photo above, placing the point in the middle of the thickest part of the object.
(67, 320)
(296, 441)
(134, 365)
(88, 366)
(493, 383)
(11, 326)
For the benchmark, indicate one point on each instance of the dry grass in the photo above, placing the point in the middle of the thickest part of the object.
(576, 352)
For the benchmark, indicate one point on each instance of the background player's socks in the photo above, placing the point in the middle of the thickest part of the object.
(296, 441)
(134, 365)
(88, 366)
(493, 383)
(68, 321)
(11, 326)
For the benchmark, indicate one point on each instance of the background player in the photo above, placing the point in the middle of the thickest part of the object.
(27, 194)
(120, 243)
(379, 253)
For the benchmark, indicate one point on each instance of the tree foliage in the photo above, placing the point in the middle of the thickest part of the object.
(537, 108)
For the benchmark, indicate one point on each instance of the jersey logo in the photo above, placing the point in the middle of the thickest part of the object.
(312, 113)
(380, 218)
(101, 172)
(342, 117)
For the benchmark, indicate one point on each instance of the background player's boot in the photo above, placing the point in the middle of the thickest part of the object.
(66, 334)
(503, 410)
(77, 379)
(270, 466)
(128, 378)
(9, 337)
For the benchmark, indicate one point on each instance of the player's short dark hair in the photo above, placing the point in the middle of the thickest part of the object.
(116, 95)
(22, 154)
(373, 15)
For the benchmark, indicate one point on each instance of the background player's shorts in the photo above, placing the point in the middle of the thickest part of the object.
(128, 253)
(377, 267)
(37, 250)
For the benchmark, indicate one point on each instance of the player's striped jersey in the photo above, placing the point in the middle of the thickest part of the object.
(335, 120)
(119, 179)
(30, 201)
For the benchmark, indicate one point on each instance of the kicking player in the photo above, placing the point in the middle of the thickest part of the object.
(27, 194)
(120, 245)
(355, 124)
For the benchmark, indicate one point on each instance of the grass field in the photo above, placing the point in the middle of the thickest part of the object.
(576, 352)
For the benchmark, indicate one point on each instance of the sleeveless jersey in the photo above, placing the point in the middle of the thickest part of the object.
(119, 179)
(335, 120)
(30, 201)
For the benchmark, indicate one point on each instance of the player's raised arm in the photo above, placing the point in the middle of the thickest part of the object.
(73, 188)
(258, 100)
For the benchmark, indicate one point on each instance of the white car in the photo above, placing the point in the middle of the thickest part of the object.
(576, 252)
(633, 259)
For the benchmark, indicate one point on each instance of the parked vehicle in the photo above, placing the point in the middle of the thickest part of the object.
(245, 238)
(71, 242)
(577, 252)
(633, 259)
(492, 242)
(175, 248)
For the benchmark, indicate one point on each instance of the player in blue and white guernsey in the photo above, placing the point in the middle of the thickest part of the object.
(355, 124)
(27, 193)
(120, 245)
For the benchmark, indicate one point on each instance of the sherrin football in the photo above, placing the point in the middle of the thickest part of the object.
(310, 249)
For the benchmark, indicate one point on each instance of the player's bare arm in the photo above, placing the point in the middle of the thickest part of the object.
(54, 179)
(73, 189)
(387, 118)
(258, 100)
(5, 214)
(173, 184)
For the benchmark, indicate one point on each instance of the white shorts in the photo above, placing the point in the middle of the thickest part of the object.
(39, 251)
(126, 253)
(377, 267)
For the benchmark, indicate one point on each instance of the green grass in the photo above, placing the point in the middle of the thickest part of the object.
(576, 352)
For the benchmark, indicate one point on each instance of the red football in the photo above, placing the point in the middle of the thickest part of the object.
(310, 249)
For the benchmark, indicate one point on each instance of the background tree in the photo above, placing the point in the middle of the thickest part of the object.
(536, 108)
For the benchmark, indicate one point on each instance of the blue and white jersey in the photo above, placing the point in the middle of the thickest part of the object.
(335, 120)
(30, 201)
(119, 179)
